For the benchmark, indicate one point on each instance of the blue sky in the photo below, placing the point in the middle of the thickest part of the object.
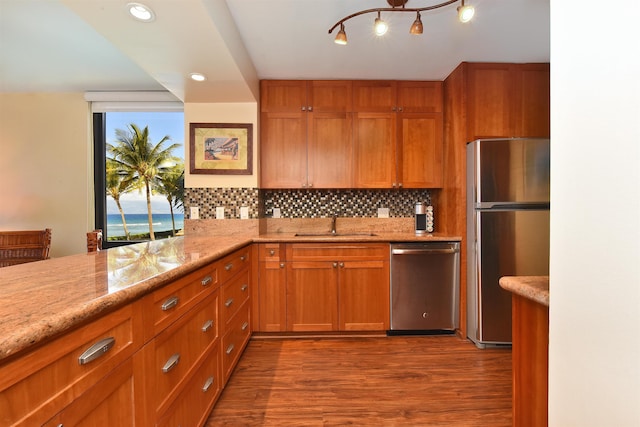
(160, 124)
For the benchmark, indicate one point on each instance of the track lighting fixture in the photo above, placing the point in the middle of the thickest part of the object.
(380, 27)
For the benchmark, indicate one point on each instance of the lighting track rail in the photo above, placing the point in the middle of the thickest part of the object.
(465, 13)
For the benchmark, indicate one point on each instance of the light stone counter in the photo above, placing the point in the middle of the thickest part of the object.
(535, 288)
(43, 299)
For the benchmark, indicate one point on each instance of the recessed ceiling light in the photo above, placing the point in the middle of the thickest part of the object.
(198, 77)
(141, 12)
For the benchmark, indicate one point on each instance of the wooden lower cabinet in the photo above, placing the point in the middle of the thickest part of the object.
(337, 287)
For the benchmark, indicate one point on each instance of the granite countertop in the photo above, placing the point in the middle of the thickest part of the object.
(535, 288)
(40, 300)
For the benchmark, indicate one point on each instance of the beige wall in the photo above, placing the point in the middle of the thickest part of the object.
(45, 167)
(221, 113)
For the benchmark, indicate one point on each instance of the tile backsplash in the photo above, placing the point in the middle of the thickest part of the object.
(304, 203)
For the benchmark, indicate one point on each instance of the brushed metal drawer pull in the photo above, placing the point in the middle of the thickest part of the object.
(243, 257)
(96, 350)
(244, 287)
(207, 384)
(228, 302)
(228, 266)
(171, 363)
(207, 325)
(206, 281)
(282, 265)
(230, 349)
(170, 303)
(272, 252)
(245, 325)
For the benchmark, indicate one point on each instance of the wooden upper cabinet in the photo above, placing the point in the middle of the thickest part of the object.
(374, 96)
(330, 96)
(419, 97)
(420, 150)
(330, 150)
(283, 150)
(534, 117)
(283, 96)
(374, 148)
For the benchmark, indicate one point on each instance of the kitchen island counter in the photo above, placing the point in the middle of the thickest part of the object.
(535, 288)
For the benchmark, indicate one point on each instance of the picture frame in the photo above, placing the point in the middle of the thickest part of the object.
(221, 148)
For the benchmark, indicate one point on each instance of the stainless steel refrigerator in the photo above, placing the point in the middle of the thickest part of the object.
(507, 228)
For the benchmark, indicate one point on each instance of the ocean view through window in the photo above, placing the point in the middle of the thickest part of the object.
(142, 174)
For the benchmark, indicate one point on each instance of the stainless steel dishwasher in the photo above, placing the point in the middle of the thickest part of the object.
(425, 286)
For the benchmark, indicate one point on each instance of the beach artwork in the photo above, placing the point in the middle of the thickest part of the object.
(221, 148)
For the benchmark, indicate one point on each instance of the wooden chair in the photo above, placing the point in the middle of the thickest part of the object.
(94, 241)
(19, 247)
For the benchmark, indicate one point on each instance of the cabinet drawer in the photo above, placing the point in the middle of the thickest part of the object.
(235, 339)
(173, 300)
(38, 385)
(175, 351)
(108, 403)
(234, 294)
(337, 252)
(271, 252)
(192, 406)
(232, 264)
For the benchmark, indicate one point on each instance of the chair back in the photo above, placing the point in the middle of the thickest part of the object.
(19, 247)
(94, 241)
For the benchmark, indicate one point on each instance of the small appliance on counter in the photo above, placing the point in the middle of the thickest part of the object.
(424, 219)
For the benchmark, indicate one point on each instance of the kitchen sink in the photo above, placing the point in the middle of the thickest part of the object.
(326, 234)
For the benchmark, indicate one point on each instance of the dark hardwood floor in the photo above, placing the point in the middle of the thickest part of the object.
(377, 381)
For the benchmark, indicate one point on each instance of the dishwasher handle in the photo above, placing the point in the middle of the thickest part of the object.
(422, 251)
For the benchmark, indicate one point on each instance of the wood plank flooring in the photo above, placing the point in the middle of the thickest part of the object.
(377, 381)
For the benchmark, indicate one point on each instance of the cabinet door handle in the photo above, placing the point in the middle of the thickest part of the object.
(245, 325)
(228, 302)
(335, 264)
(230, 349)
(310, 108)
(243, 257)
(171, 363)
(228, 266)
(282, 265)
(207, 325)
(207, 384)
(394, 108)
(399, 185)
(272, 252)
(244, 287)
(342, 265)
(400, 109)
(206, 281)
(304, 108)
(96, 350)
(170, 303)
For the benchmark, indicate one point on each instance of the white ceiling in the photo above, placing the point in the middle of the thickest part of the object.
(93, 45)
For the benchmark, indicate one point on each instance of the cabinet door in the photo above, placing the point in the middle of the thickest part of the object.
(491, 98)
(110, 402)
(374, 96)
(533, 120)
(283, 153)
(363, 294)
(283, 96)
(374, 150)
(312, 296)
(419, 97)
(420, 148)
(272, 295)
(330, 96)
(330, 150)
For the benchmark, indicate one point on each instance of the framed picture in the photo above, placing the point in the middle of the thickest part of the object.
(221, 148)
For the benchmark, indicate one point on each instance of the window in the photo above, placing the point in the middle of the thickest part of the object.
(121, 179)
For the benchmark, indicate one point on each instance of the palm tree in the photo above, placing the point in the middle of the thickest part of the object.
(117, 184)
(141, 160)
(170, 183)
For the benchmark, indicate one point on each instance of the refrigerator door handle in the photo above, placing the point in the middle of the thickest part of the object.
(513, 206)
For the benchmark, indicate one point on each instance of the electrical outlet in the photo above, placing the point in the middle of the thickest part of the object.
(220, 212)
(244, 212)
(276, 212)
(194, 212)
(383, 212)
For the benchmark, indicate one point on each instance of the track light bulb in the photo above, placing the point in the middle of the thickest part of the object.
(416, 27)
(341, 37)
(465, 13)
(379, 26)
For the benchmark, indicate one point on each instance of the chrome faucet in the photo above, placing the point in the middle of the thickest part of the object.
(333, 224)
